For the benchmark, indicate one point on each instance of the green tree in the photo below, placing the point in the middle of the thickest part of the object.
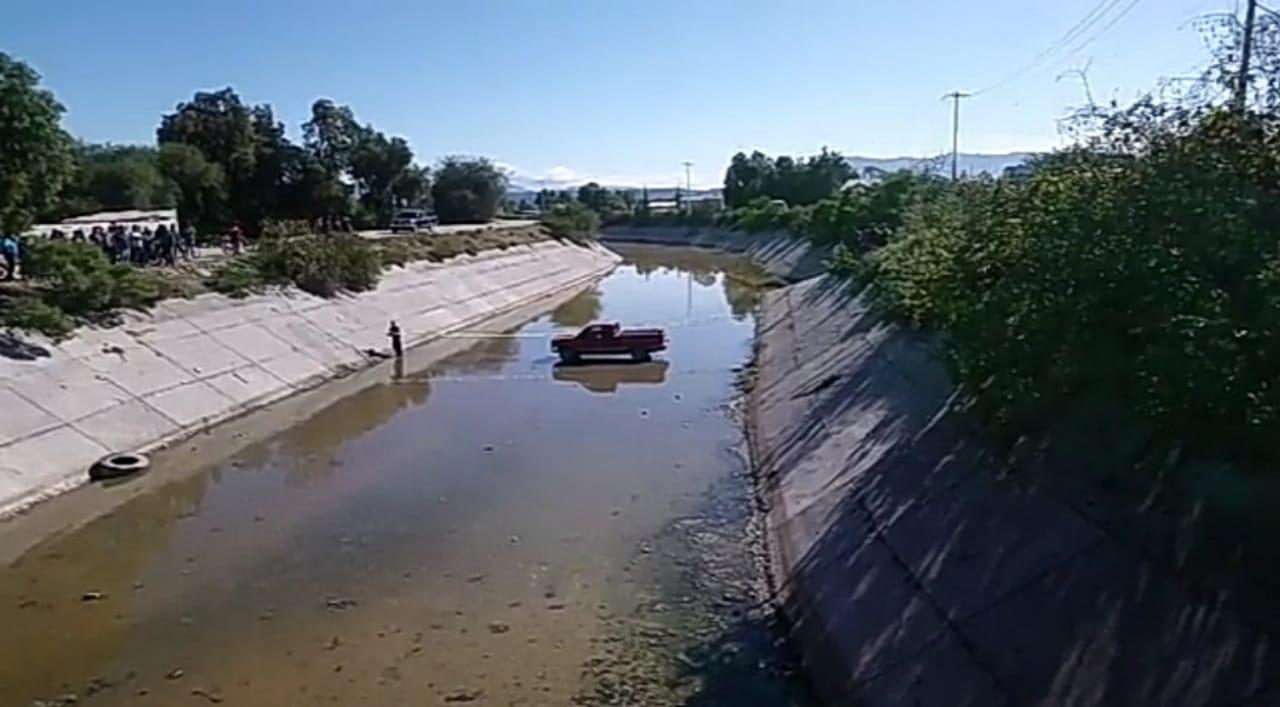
(114, 177)
(467, 190)
(247, 144)
(385, 175)
(35, 152)
(331, 135)
(200, 185)
(747, 178)
(593, 196)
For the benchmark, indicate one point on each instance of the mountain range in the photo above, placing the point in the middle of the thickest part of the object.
(526, 187)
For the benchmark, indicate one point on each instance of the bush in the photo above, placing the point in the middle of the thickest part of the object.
(79, 279)
(763, 214)
(30, 313)
(285, 228)
(1146, 272)
(321, 265)
(237, 278)
(572, 221)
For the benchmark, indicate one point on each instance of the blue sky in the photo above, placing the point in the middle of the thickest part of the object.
(618, 90)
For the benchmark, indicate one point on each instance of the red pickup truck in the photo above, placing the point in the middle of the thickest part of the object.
(609, 340)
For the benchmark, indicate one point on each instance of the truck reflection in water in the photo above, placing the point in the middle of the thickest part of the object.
(604, 378)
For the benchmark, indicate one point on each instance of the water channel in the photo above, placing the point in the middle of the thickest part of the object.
(492, 529)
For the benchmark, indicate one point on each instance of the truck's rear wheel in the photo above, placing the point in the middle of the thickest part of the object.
(569, 357)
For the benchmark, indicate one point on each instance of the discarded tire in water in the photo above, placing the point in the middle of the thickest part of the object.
(117, 465)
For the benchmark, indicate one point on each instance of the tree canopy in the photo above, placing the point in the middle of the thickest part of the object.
(35, 152)
(261, 174)
(467, 189)
(796, 181)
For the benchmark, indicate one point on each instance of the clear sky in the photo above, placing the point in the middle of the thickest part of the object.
(619, 90)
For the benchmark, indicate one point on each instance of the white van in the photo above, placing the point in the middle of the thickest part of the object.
(412, 221)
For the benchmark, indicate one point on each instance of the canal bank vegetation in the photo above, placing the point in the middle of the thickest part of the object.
(324, 265)
(1140, 267)
(572, 220)
(71, 283)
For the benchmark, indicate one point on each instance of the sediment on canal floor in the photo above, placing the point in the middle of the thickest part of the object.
(917, 565)
(189, 364)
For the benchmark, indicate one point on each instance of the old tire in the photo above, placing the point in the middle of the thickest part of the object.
(114, 466)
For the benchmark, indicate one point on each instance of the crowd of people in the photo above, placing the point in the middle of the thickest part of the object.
(136, 244)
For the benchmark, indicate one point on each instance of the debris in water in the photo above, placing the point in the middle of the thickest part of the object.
(333, 643)
(339, 603)
(475, 578)
(464, 695)
(92, 596)
(210, 696)
(488, 447)
(498, 627)
(174, 674)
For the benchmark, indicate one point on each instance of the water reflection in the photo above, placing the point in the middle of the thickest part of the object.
(348, 419)
(743, 282)
(584, 308)
(604, 378)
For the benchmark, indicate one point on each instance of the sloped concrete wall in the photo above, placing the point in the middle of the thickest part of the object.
(190, 363)
(917, 568)
(781, 254)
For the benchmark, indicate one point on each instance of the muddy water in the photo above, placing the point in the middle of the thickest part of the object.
(490, 530)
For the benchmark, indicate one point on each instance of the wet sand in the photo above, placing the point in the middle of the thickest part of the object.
(490, 529)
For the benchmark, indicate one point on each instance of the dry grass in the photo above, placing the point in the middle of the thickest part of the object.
(406, 249)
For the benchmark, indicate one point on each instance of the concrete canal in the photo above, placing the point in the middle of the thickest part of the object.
(488, 529)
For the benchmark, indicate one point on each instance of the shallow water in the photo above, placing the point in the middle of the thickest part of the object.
(492, 530)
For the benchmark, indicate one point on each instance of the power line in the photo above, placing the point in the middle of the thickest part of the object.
(1081, 47)
(1095, 15)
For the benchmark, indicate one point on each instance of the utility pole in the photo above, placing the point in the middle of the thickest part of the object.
(955, 96)
(1246, 51)
(688, 180)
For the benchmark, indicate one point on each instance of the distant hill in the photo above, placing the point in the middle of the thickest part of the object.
(526, 188)
(969, 163)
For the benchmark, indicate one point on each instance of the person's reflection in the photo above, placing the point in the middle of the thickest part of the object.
(604, 378)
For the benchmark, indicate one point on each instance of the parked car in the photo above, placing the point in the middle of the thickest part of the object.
(412, 221)
(609, 340)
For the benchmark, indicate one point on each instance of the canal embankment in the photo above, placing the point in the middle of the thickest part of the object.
(916, 563)
(189, 364)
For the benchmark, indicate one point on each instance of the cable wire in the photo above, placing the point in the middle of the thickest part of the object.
(1098, 13)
